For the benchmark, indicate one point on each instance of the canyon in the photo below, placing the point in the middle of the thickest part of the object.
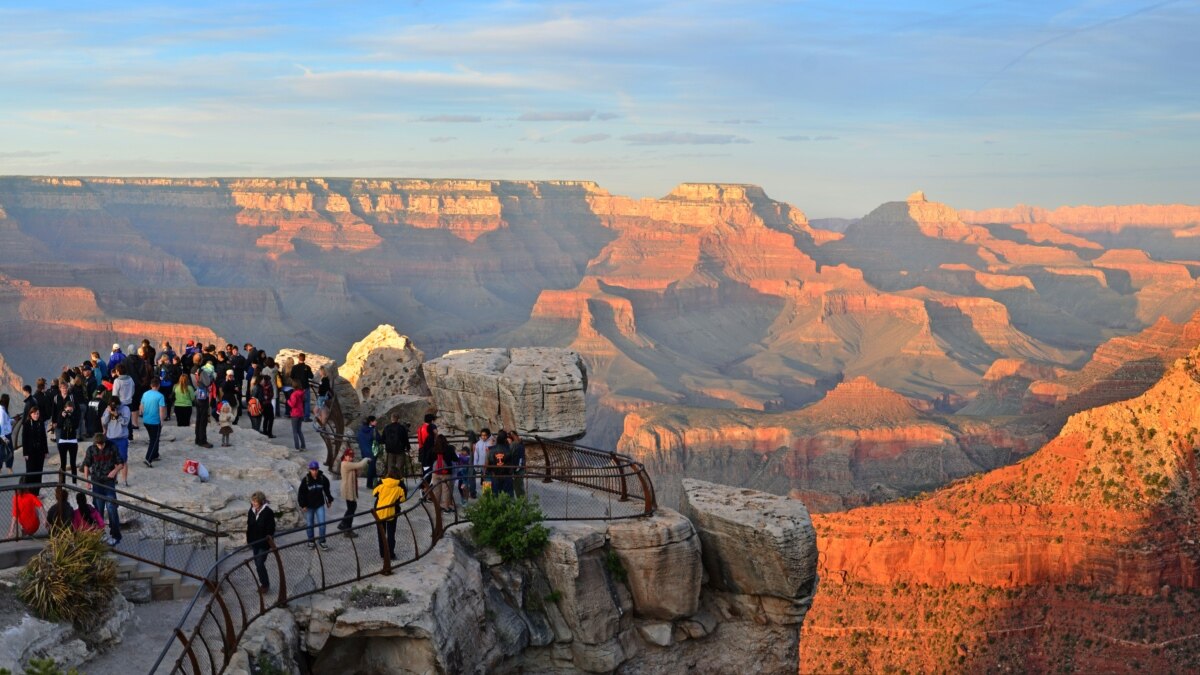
(716, 325)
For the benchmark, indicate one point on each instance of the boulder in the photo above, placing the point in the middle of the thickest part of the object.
(661, 557)
(384, 364)
(411, 409)
(754, 543)
(573, 563)
(537, 390)
(270, 644)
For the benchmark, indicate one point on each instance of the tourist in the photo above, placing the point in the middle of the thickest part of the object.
(202, 379)
(260, 527)
(181, 395)
(301, 376)
(426, 454)
(86, 516)
(115, 357)
(366, 445)
(123, 387)
(350, 471)
(266, 386)
(96, 406)
(500, 465)
(389, 494)
(152, 408)
(101, 465)
(443, 469)
(323, 389)
(238, 366)
(225, 419)
(462, 473)
(395, 445)
(314, 498)
(168, 374)
(60, 516)
(136, 367)
(99, 368)
(34, 446)
(27, 510)
(115, 421)
(6, 429)
(254, 362)
(479, 459)
(296, 408)
(254, 406)
(68, 421)
(516, 457)
(28, 403)
(232, 395)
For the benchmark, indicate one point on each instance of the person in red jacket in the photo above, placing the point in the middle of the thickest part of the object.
(296, 413)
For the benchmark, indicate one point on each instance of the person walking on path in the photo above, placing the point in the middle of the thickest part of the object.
(366, 445)
(115, 421)
(101, 465)
(389, 494)
(260, 527)
(153, 408)
(315, 498)
(350, 471)
(296, 408)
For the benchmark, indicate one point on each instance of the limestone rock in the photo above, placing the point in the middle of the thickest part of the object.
(754, 543)
(411, 409)
(533, 389)
(385, 364)
(574, 566)
(661, 556)
(275, 639)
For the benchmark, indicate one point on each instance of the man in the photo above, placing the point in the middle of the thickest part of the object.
(260, 527)
(253, 365)
(395, 445)
(301, 377)
(101, 465)
(366, 446)
(239, 365)
(116, 357)
(479, 458)
(153, 408)
(426, 455)
(100, 368)
(314, 498)
(388, 496)
(516, 454)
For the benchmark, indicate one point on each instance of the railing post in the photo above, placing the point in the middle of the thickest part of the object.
(437, 507)
(187, 650)
(624, 486)
(546, 456)
(282, 601)
(60, 492)
(229, 639)
(647, 489)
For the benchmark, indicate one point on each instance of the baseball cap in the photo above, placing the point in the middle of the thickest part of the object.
(116, 346)
(314, 464)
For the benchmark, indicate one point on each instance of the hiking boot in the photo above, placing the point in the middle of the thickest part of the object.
(324, 546)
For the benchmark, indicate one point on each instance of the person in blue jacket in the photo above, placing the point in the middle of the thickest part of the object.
(366, 445)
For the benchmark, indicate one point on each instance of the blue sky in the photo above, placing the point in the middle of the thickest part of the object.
(832, 106)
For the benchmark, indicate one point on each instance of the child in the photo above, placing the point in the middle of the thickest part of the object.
(225, 419)
(462, 472)
(86, 516)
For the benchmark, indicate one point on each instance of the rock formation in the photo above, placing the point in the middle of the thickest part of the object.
(385, 370)
(1082, 556)
(626, 596)
(535, 390)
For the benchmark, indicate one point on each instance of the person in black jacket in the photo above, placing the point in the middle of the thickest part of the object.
(395, 445)
(34, 445)
(314, 498)
(260, 527)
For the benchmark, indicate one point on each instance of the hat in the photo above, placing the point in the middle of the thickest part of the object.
(191, 343)
(314, 464)
(116, 346)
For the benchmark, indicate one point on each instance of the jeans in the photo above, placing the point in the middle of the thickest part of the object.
(348, 519)
(106, 497)
(298, 433)
(122, 445)
(315, 516)
(256, 422)
(154, 431)
(7, 447)
(463, 483)
(261, 549)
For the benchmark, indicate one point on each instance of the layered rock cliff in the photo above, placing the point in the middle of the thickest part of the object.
(1082, 557)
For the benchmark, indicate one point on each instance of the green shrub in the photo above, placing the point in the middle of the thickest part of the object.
(511, 525)
(612, 563)
(42, 667)
(72, 579)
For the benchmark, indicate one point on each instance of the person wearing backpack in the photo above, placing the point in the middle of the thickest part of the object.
(389, 494)
(254, 407)
(296, 412)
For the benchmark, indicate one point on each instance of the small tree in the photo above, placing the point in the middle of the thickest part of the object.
(72, 579)
(511, 525)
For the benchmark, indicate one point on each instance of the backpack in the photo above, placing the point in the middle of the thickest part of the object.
(200, 394)
(254, 407)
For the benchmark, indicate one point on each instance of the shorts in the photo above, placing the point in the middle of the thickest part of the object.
(122, 448)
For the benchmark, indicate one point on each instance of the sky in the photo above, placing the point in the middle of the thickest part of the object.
(834, 107)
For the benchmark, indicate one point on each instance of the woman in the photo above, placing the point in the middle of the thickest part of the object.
(34, 446)
(86, 517)
(260, 527)
(168, 375)
(442, 472)
(266, 389)
(323, 390)
(6, 428)
(67, 421)
(183, 393)
(350, 471)
(296, 413)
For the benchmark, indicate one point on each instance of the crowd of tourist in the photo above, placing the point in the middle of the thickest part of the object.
(106, 402)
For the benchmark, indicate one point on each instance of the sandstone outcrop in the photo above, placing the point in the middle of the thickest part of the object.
(535, 390)
(385, 364)
(27, 637)
(585, 604)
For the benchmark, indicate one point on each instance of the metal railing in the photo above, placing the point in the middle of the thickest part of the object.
(570, 482)
(158, 534)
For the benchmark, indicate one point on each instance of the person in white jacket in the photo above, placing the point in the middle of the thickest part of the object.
(479, 457)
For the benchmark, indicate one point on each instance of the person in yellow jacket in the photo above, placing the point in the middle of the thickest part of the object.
(389, 494)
